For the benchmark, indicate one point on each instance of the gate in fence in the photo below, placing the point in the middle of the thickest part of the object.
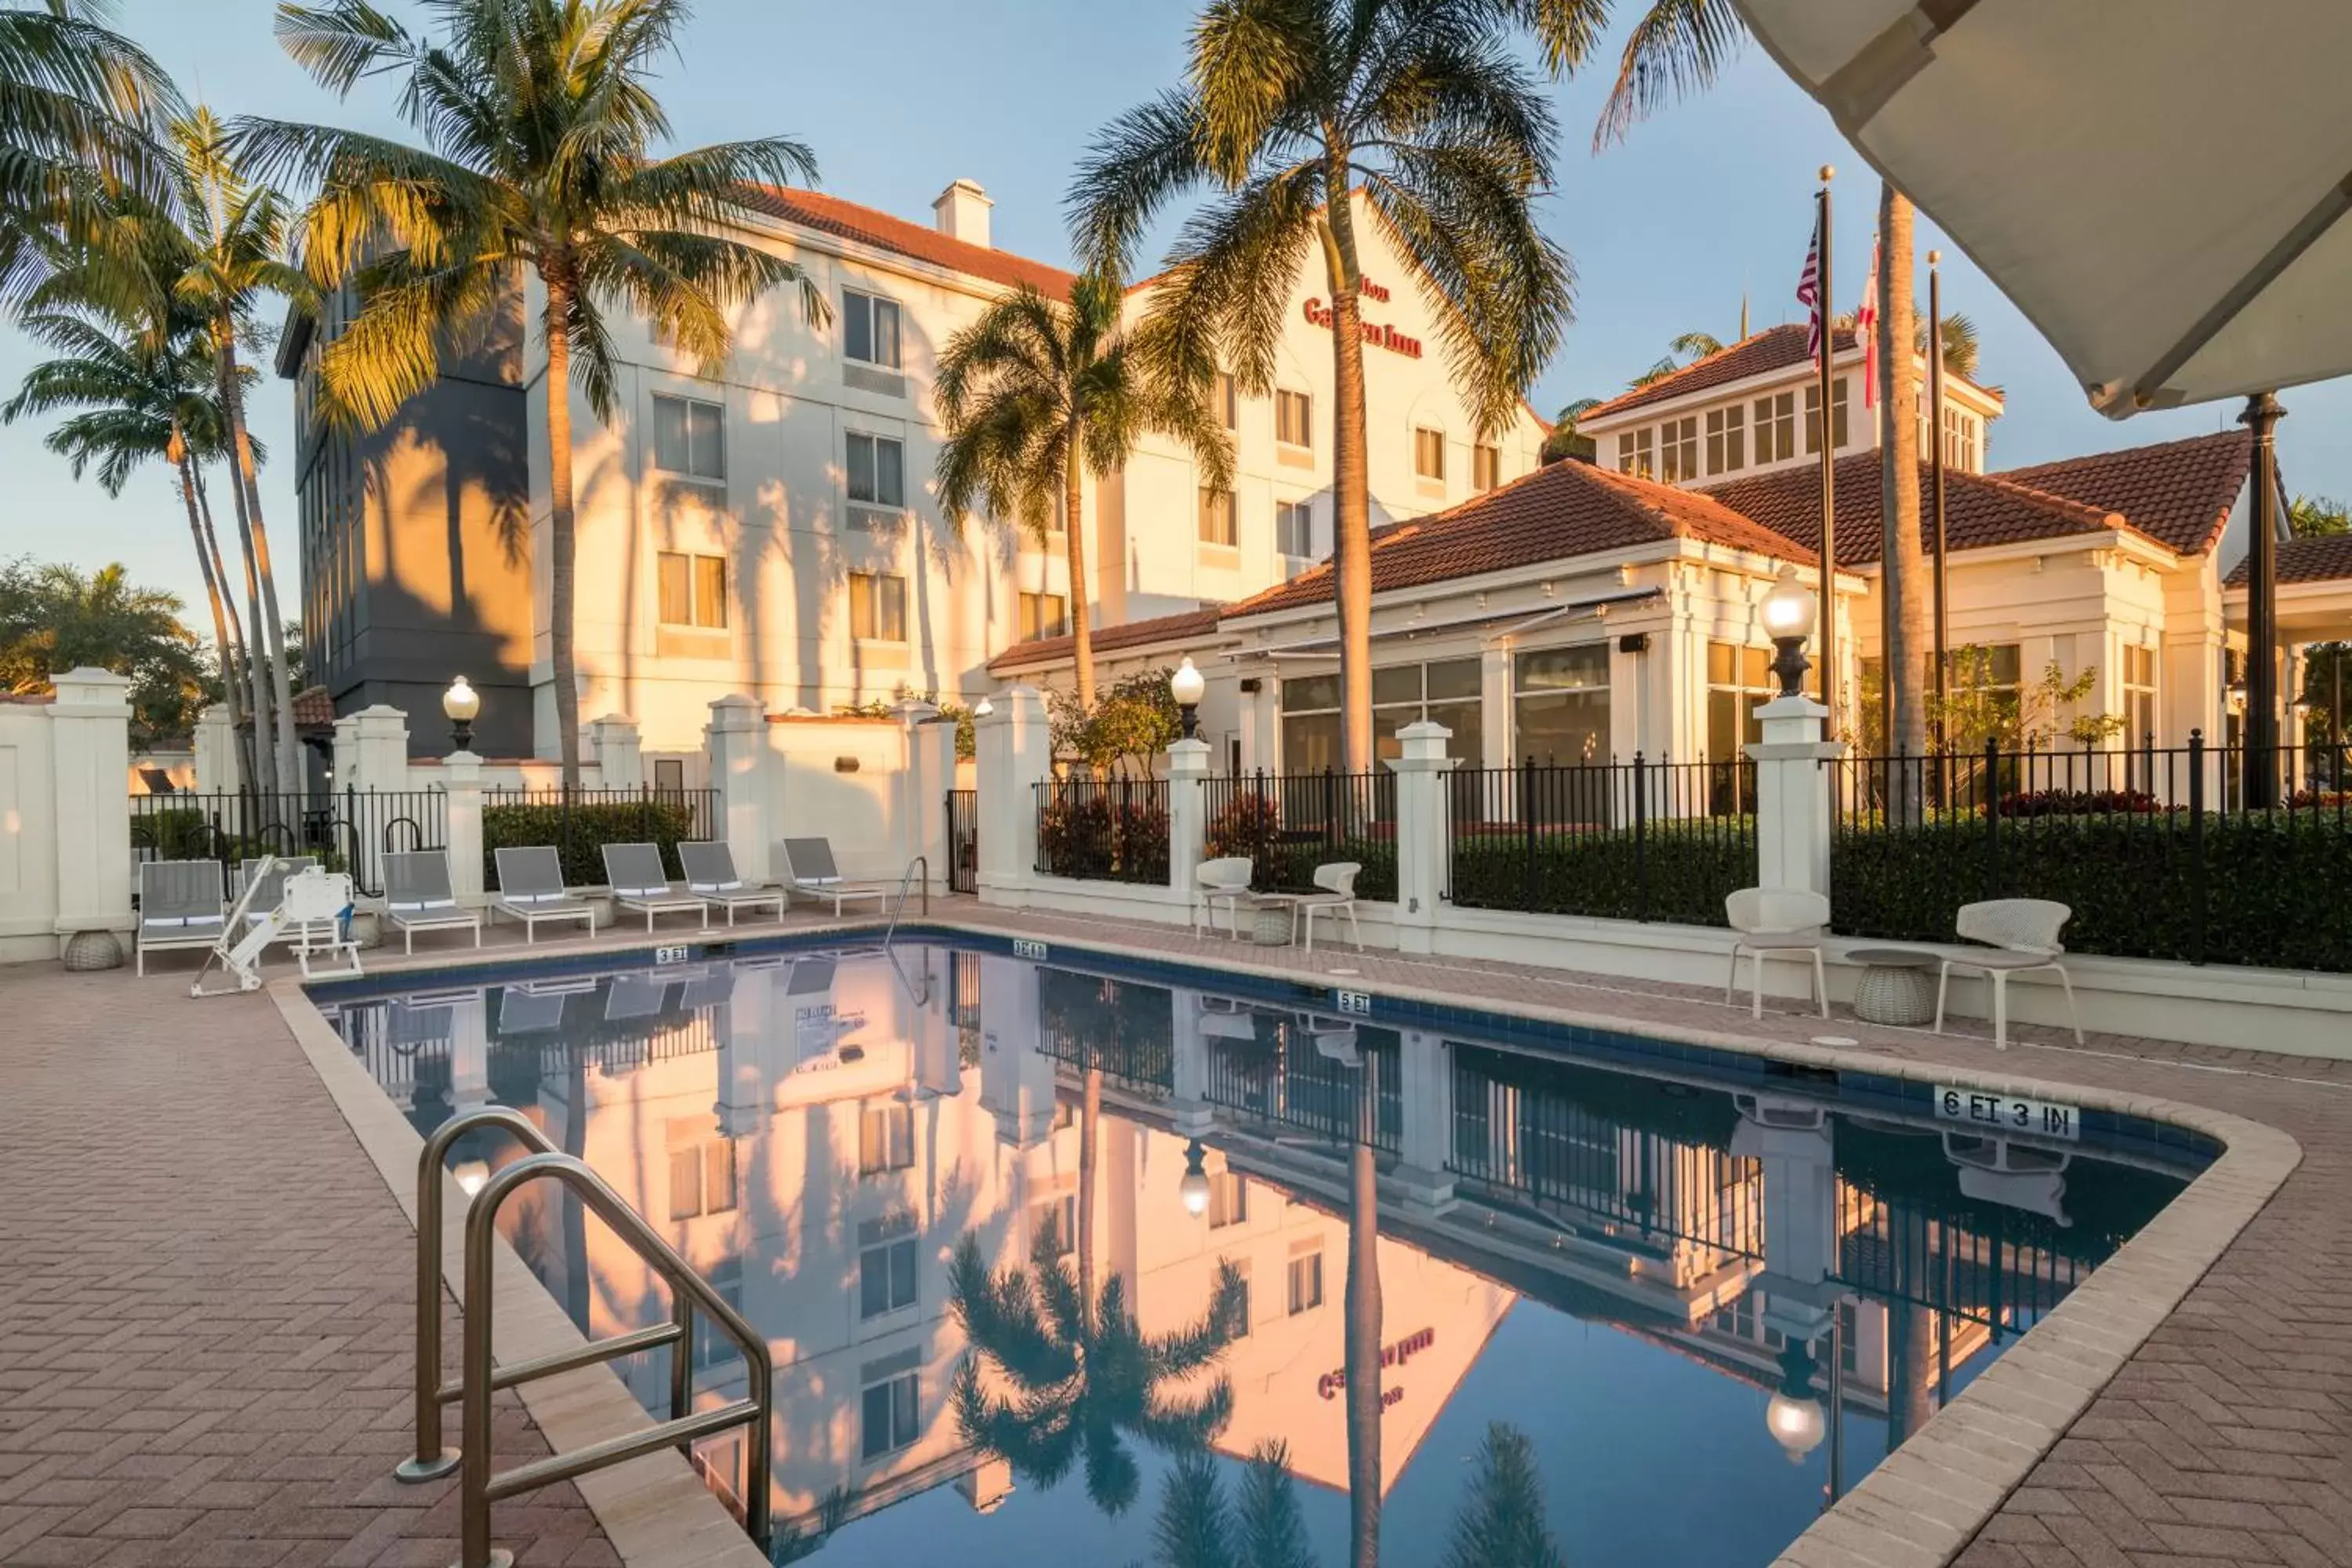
(964, 840)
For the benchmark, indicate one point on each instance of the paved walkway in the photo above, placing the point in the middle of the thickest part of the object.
(205, 1302)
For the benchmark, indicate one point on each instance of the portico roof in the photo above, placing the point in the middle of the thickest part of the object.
(2322, 560)
(1185, 626)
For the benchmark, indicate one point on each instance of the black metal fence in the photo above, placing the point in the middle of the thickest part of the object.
(1641, 840)
(964, 840)
(349, 830)
(1309, 1073)
(1286, 824)
(579, 822)
(2158, 851)
(1107, 830)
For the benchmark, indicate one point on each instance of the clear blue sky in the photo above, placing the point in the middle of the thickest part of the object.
(898, 97)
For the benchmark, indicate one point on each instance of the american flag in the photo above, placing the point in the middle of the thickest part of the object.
(1809, 292)
(1865, 332)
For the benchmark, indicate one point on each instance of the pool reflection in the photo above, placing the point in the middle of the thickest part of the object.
(1143, 1271)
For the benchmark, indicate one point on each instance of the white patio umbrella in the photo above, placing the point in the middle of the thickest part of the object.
(2161, 186)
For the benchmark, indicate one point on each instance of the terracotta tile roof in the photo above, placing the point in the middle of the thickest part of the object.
(2176, 492)
(1181, 627)
(312, 705)
(1560, 512)
(1980, 509)
(2324, 560)
(28, 699)
(868, 226)
(1774, 348)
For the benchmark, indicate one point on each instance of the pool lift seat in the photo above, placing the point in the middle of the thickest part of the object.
(309, 915)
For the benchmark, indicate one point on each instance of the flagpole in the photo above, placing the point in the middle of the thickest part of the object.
(1829, 465)
(1935, 469)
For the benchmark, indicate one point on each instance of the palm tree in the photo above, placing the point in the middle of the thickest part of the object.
(1501, 1522)
(56, 618)
(539, 119)
(1688, 349)
(1302, 119)
(1037, 395)
(1197, 1527)
(1564, 440)
(1959, 344)
(1074, 1377)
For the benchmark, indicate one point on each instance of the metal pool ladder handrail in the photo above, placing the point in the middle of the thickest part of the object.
(905, 880)
(478, 1380)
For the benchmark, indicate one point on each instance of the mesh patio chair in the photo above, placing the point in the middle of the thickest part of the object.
(640, 883)
(179, 905)
(1338, 897)
(530, 889)
(417, 897)
(1775, 923)
(809, 868)
(1228, 879)
(710, 875)
(2020, 936)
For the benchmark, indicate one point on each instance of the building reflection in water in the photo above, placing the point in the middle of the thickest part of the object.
(1008, 1225)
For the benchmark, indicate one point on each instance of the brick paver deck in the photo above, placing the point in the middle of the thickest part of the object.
(205, 1302)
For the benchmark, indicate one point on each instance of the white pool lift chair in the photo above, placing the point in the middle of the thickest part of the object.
(312, 905)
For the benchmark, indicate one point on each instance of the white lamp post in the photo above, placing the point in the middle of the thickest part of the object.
(1188, 687)
(461, 703)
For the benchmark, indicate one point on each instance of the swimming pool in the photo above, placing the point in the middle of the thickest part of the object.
(1656, 1301)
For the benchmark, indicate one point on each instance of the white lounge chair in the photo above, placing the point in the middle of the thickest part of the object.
(1775, 923)
(809, 868)
(1338, 882)
(1227, 877)
(641, 883)
(417, 897)
(710, 875)
(530, 889)
(2020, 935)
(179, 905)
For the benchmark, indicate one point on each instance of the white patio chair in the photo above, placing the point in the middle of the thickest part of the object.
(1227, 877)
(2020, 935)
(641, 883)
(179, 905)
(809, 868)
(417, 897)
(530, 889)
(1775, 923)
(1337, 897)
(710, 875)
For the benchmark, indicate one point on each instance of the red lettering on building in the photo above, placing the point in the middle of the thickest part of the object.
(1379, 337)
(1394, 1354)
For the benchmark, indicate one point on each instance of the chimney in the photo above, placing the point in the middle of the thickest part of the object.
(960, 212)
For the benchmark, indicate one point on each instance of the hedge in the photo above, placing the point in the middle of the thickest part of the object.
(1688, 866)
(1091, 836)
(580, 833)
(2277, 890)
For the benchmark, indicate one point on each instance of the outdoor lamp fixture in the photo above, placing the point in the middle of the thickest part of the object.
(983, 708)
(1194, 1188)
(472, 1174)
(1794, 1417)
(461, 703)
(1788, 611)
(1187, 687)
(2236, 695)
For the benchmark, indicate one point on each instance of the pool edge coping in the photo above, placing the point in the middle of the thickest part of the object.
(1920, 1508)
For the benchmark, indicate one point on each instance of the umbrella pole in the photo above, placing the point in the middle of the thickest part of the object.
(1935, 470)
(2261, 416)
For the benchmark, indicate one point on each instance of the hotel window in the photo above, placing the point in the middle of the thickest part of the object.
(885, 1138)
(1241, 1303)
(1562, 698)
(1997, 668)
(888, 1418)
(870, 329)
(1960, 441)
(878, 470)
(1678, 449)
(1306, 1283)
(1444, 692)
(689, 438)
(878, 608)
(1293, 418)
(1225, 398)
(885, 1275)
(1294, 528)
(1727, 440)
(1429, 453)
(1042, 616)
(1739, 681)
(1813, 416)
(1486, 467)
(693, 590)
(1218, 525)
(1228, 1199)
(2139, 695)
(1776, 427)
(1060, 1218)
(702, 1170)
(713, 1348)
(1637, 452)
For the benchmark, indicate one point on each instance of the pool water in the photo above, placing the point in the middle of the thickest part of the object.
(1061, 1257)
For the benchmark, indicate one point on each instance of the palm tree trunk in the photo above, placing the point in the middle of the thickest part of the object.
(273, 630)
(1363, 1349)
(1351, 516)
(212, 584)
(265, 754)
(1082, 638)
(561, 544)
(1909, 1346)
(228, 597)
(1090, 1119)
(1904, 580)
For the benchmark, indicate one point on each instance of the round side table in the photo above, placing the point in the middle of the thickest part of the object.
(1895, 986)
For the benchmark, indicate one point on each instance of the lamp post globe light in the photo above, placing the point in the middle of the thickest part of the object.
(1194, 1188)
(1188, 687)
(472, 1174)
(1794, 1417)
(461, 703)
(983, 708)
(1789, 614)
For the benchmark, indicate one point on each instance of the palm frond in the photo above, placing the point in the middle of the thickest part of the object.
(1272, 1531)
(1677, 49)
(1134, 167)
(1194, 1528)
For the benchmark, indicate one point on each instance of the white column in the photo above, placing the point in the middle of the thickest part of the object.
(1421, 832)
(1497, 731)
(379, 762)
(620, 763)
(737, 739)
(1188, 1109)
(1794, 1147)
(217, 772)
(89, 755)
(1016, 753)
(1016, 1079)
(1792, 796)
(1187, 827)
(469, 1054)
(918, 812)
(344, 758)
(749, 1029)
(461, 783)
(1428, 1086)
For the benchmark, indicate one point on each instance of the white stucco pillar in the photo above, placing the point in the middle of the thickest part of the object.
(469, 1054)
(736, 740)
(613, 742)
(1016, 1079)
(1016, 753)
(1188, 805)
(749, 1029)
(217, 769)
(1421, 831)
(918, 810)
(379, 748)
(461, 784)
(344, 757)
(90, 759)
(1792, 796)
(1793, 1144)
(1188, 1108)
(1496, 731)
(1428, 1067)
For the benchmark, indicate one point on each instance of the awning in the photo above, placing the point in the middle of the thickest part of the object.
(1327, 647)
(2161, 187)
